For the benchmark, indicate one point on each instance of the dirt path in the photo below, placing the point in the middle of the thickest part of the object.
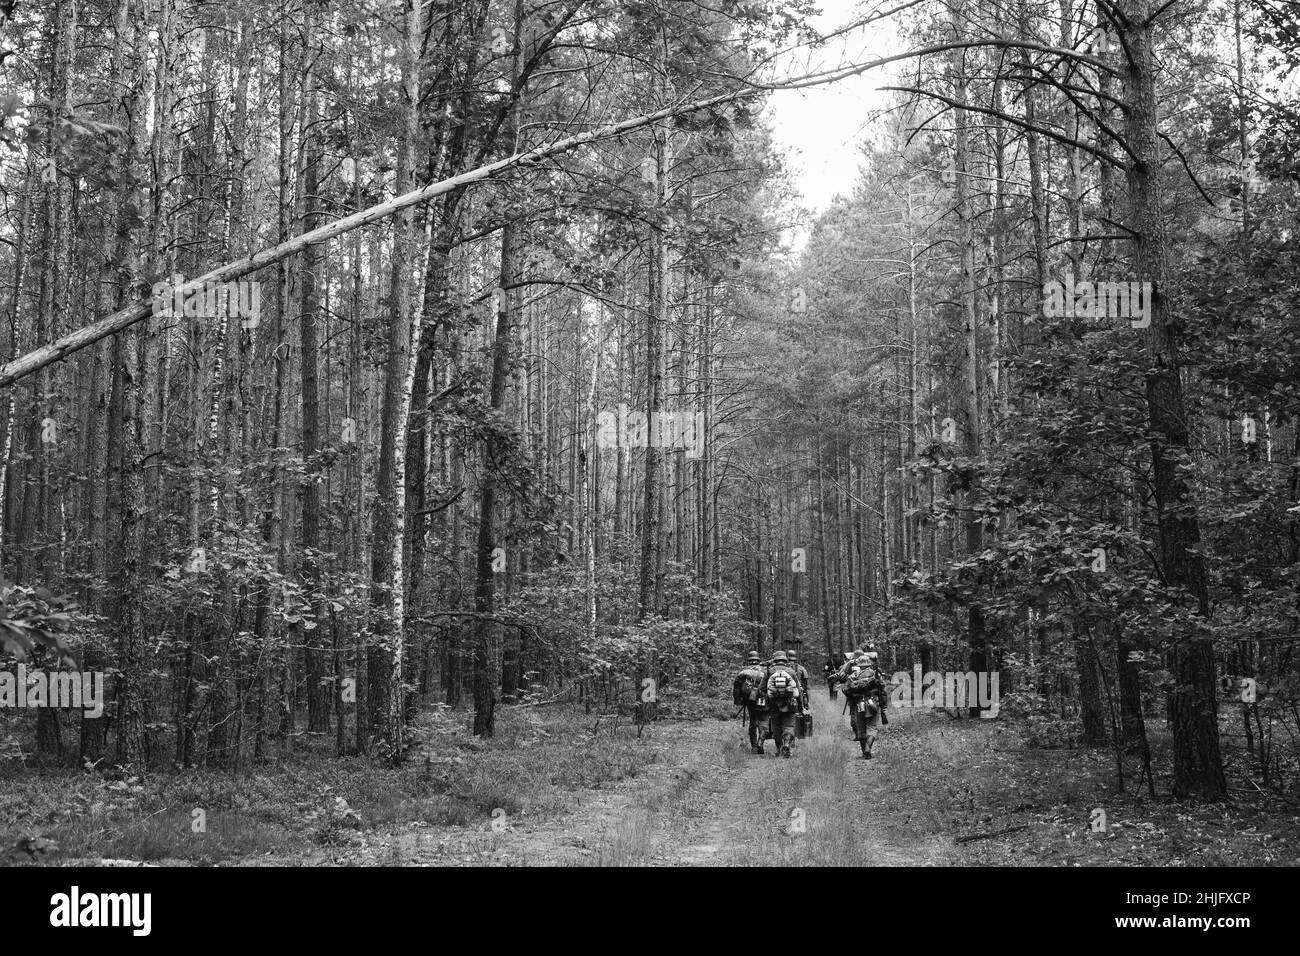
(712, 802)
(825, 806)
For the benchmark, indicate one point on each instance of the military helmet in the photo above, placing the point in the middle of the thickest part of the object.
(752, 657)
(779, 657)
(792, 655)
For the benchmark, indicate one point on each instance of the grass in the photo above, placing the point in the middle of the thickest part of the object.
(935, 782)
(986, 778)
(809, 813)
(629, 841)
(280, 810)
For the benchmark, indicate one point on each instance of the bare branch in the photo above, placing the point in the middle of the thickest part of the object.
(1006, 117)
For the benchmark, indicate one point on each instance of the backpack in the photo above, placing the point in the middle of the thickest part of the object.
(860, 681)
(748, 686)
(780, 687)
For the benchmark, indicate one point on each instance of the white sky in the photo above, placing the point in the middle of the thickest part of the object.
(820, 127)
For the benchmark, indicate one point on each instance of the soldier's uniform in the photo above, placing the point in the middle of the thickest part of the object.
(783, 708)
(866, 700)
(801, 671)
(747, 691)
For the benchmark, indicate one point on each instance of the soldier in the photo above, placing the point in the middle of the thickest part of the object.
(828, 674)
(784, 701)
(793, 658)
(747, 692)
(873, 656)
(866, 694)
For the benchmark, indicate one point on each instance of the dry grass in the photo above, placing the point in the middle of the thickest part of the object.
(281, 811)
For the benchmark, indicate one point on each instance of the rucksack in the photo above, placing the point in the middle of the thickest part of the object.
(861, 680)
(748, 686)
(780, 686)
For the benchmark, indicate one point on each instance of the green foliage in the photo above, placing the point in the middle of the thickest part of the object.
(698, 634)
(33, 618)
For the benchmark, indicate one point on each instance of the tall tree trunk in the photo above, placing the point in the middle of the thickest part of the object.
(388, 583)
(124, 499)
(972, 365)
(1092, 714)
(486, 629)
(1198, 768)
(313, 266)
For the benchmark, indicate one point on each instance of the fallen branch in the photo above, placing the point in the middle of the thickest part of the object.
(110, 325)
(563, 698)
(73, 342)
(995, 833)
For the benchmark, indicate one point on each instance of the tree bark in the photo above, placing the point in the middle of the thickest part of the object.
(1198, 768)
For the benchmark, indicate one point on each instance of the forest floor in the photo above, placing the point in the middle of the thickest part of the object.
(557, 787)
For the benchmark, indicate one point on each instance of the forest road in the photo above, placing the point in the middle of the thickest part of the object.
(711, 801)
(825, 806)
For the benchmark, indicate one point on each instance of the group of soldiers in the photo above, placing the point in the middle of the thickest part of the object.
(773, 695)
